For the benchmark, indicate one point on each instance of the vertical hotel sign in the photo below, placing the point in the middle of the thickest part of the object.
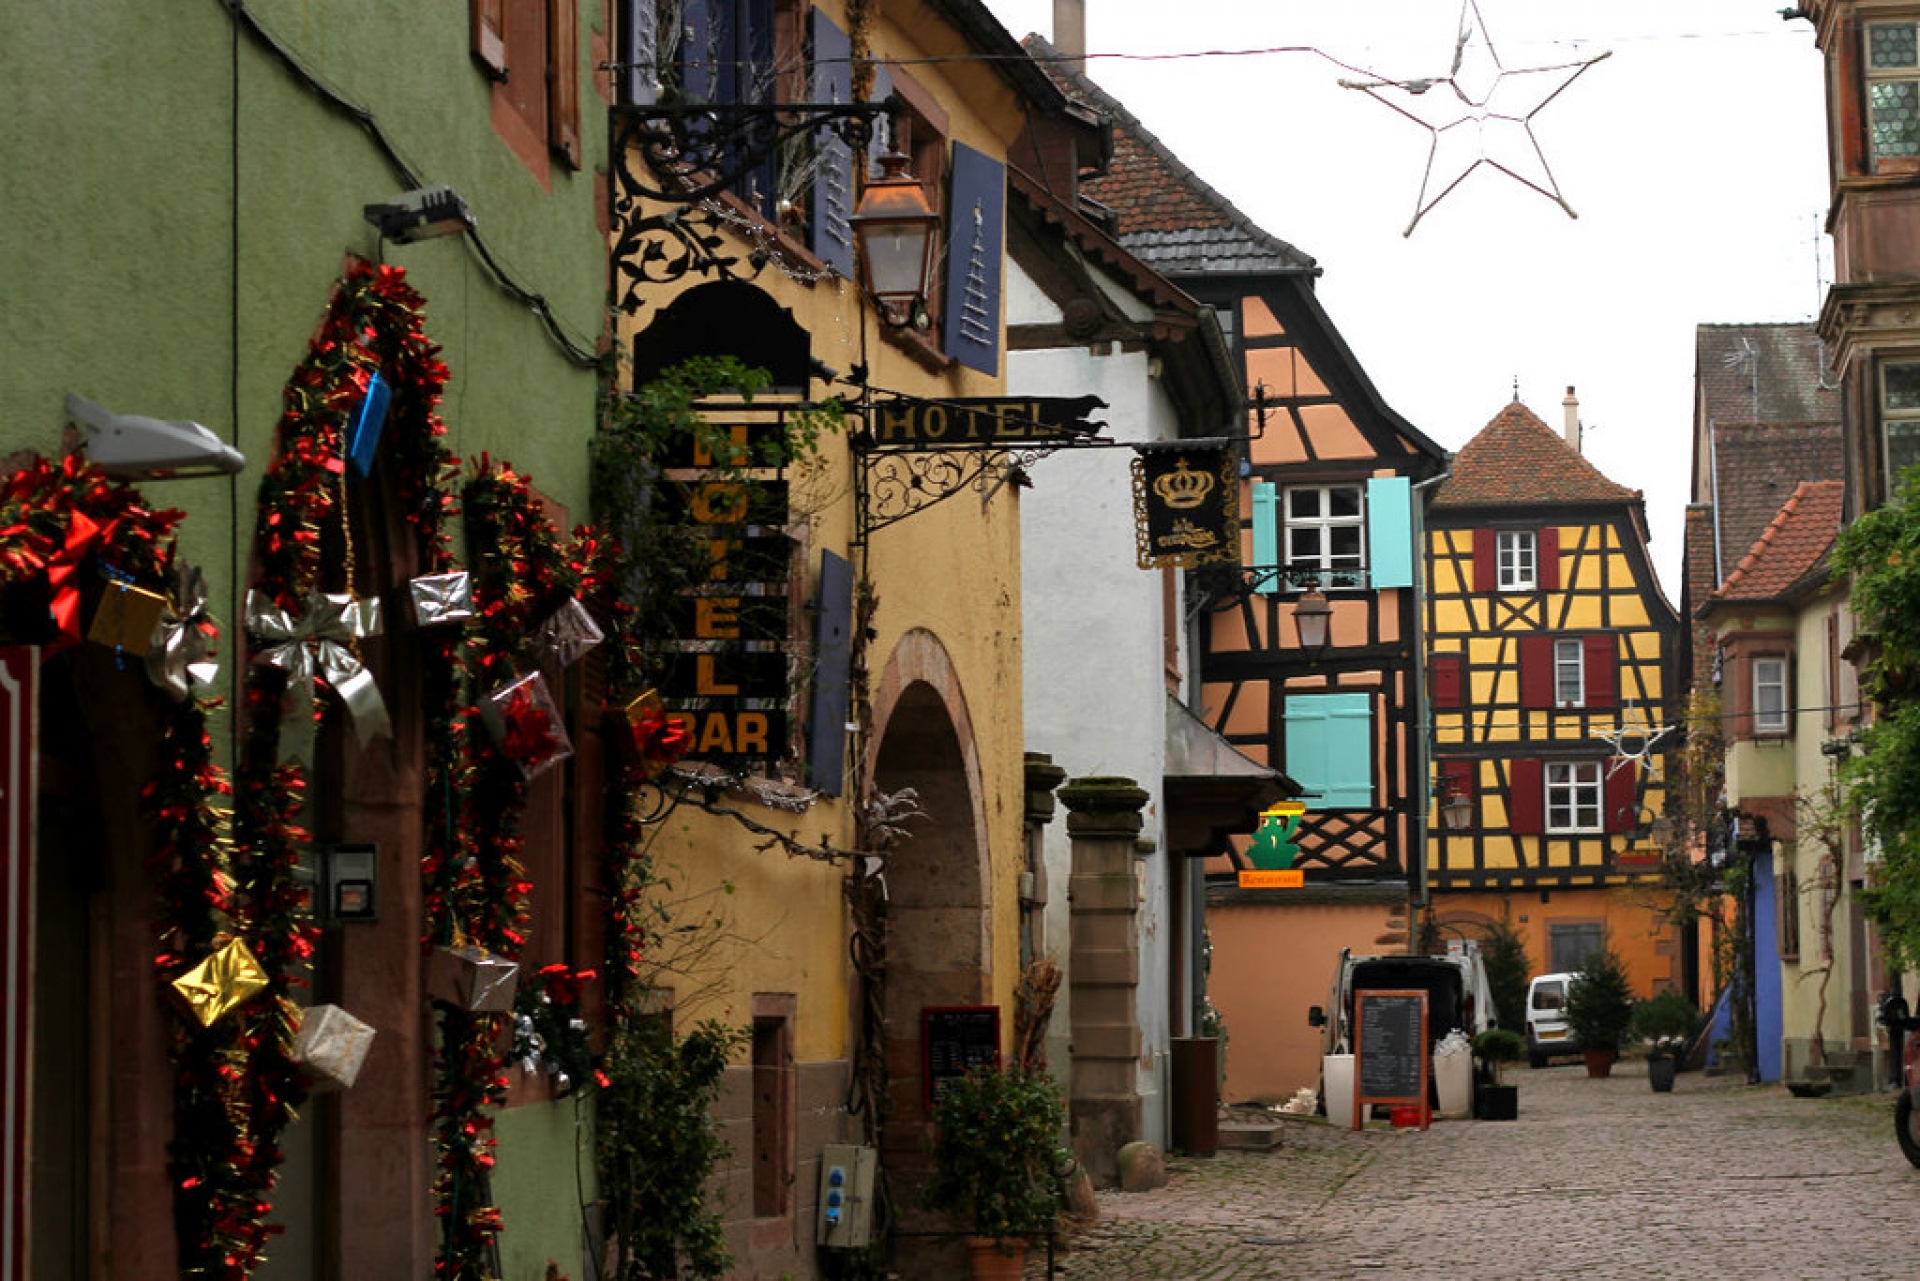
(1186, 504)
(726, 669)
(19, 745)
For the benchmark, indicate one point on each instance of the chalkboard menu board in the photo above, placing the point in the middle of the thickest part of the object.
(954, 1038)
(1390, 1054)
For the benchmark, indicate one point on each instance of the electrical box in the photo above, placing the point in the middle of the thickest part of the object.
(349, 883)
(846, 1197)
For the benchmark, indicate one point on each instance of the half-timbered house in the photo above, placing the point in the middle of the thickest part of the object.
(1551, 661)
(1331, 481)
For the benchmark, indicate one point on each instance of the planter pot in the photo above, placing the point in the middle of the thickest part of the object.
(989, 1259)
(1498, 1103)
(1599, 1062)
(1660, 1074)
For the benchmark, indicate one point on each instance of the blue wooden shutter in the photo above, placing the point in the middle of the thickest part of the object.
(831, 205)
(638, 77)
(1330, 749)
(1266, 537)
(699, 74)
(827, 723)
(1390, 531)
(970, 327)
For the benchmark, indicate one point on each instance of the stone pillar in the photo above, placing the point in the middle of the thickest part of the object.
(1103, 973)
(1042, 777)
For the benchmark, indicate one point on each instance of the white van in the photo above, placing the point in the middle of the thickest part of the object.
(1547, 1031)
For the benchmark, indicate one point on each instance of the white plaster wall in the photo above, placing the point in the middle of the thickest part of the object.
(1095, 700)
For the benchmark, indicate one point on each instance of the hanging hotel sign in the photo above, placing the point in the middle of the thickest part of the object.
(725, 673)
(1186, 504)
(981, 422)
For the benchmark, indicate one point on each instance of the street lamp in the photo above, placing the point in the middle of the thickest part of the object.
(1310, 615)
(894, 228)
(1457, 811)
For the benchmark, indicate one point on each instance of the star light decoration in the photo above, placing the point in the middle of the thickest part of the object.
(1486, 119)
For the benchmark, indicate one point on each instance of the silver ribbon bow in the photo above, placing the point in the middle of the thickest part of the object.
(180, 654)
(318, 644)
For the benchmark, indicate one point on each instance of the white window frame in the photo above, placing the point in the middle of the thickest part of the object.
(1575, 792)
(1770, 716)
(1516, 560)
(1569, 673)
(1325, 569)
(1899, 419)
(1905, 156)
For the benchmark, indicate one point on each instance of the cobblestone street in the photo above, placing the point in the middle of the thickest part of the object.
(1597, 1178)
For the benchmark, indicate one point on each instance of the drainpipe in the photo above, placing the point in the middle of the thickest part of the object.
(1423, 762)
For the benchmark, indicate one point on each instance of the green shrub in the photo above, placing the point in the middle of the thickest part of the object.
(1600, 1004)
(997, 1160)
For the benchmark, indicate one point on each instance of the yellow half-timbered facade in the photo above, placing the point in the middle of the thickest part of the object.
(1552, 701)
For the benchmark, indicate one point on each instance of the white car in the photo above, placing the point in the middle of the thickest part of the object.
(1547, 1031)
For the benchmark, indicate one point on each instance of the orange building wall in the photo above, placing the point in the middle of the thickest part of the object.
(1269, 965)
(1634, 929)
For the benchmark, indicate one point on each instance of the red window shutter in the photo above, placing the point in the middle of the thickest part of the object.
(1456, 778)
(1536, 670)
(1546, 554)
(563, 80)
(1448, 679)
(1526, 798)
(1622, 795)
(1602, 662)
(1483, 561)
(487, 32)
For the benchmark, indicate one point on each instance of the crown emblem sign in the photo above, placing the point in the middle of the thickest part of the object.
(1183, 487)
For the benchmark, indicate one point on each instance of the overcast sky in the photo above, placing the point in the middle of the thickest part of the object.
(1693, 153)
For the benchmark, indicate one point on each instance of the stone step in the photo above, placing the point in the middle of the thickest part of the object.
(1255, 1136)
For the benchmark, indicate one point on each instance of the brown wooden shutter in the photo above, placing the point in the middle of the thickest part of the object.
(1484, 568)
(1448, 671)
(1621, 795)
(1536, 670)
(1546, 557)
(1601, 660)
(1526, 798)
(487, 24)
(563, 79)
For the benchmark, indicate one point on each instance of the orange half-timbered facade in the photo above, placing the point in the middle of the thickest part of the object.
(1331, 482)
(1552, 685)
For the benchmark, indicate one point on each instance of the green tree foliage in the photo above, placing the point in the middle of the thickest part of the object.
(1881, 551)
(1600, 1006)
(1504, 953)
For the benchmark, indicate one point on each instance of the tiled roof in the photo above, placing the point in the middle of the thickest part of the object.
(1794, 544)
(1167, 216)
(1517, 460)
(1763, 374)
(1756, 466)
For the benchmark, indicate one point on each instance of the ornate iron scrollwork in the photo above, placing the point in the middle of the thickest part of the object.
(660, 248)
(688, 152)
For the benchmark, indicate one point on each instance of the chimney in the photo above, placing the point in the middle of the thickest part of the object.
(1070, 33)
(1572, 410)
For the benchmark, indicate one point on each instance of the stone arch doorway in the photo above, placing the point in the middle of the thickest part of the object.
(937, 913)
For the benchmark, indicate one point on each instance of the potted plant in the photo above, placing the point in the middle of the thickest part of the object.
(1665, 1022)
(1498, 1101)
(1600, 1010)
(998, 1164)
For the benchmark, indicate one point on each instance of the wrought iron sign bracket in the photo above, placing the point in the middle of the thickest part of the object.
(694, 151)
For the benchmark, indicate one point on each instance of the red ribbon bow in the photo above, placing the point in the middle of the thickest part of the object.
(530, 738)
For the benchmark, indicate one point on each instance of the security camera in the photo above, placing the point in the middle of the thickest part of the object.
(134, 447)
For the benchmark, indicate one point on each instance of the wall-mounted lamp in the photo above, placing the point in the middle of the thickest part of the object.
(421, 215)
(1456, 812)
(1310, 616)
(895, 228)
(135, 447)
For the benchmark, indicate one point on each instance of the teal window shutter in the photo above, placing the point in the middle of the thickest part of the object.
(1390, 531)
(1266, 537)
(1330, 749)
